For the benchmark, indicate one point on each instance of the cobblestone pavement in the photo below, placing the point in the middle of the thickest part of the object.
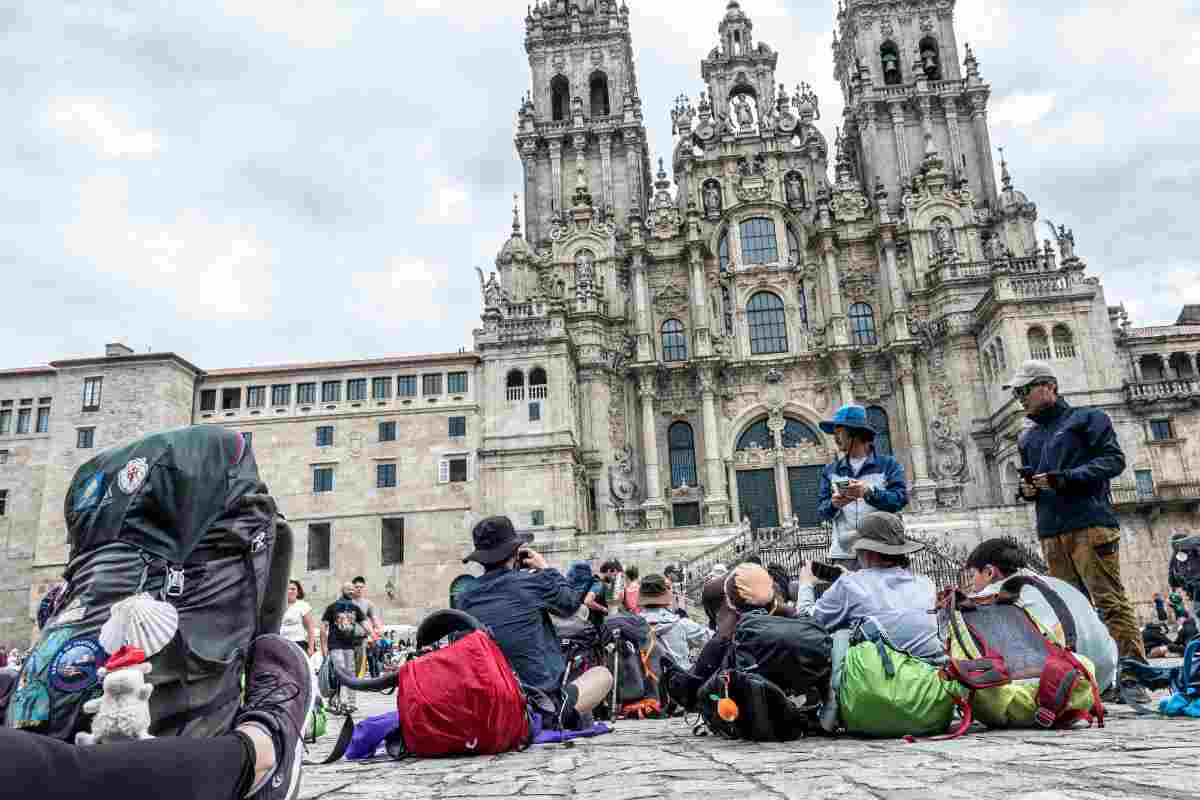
(1130, 759)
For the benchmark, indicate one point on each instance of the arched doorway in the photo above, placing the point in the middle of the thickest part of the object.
(760, 480)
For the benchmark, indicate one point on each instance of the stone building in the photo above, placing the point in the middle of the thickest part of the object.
(657, 345)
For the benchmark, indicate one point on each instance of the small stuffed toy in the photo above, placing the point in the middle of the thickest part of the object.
(123, 712)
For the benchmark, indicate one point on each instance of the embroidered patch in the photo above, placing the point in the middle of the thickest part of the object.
(74, 668)
(89, 494)
(133, 475)
(39, 660)
(29, 707)
(258, 542)
(74, 612)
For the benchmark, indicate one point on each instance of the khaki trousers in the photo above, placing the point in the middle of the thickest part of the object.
(1090, 559)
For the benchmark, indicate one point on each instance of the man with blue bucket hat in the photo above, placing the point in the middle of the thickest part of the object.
(858, 482)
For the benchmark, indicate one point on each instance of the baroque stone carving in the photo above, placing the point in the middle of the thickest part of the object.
(622, 486)
(712, 198)
(670, 298)
(949, 452)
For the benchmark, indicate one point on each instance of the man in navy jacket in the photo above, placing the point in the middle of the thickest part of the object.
(1068, 457)
(858, 482)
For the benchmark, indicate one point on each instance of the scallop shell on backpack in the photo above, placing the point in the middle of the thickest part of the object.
(140, 621)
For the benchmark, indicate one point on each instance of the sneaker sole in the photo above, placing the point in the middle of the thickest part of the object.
(309, 702)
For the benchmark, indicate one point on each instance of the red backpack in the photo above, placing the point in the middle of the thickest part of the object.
(463, 698)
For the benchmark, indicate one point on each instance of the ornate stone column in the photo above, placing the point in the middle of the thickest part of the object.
(654, 507)
(922, 489)
(735, 507)
(899, 306)
(902, 163)
(641, 299)
(579, 145)
(983, 140)
(556, 205)
(715, 502)
(633, 164)
(950, 107)
(606, 171)
(529, 163)
(837, 314)
(701, 324)
(841, 362)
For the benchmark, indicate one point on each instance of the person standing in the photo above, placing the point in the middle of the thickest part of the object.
(364, 647)
(338, 640)
(858, 482)
(1068, 457)
(298, 625)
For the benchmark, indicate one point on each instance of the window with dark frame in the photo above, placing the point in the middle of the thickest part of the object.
(458, 470)
(3, 502)
(458, 427)
(387, 431)
(381, 388)
(385, 476)
(3, 456)
(878, 418)
(759, 245)
(322, 479)
(535, 412)
(674, 341)
(208, 399)
(682, 446)
(231, 399)
(406, 386)
(768, 326)
(537, 517)
(256, 396)
(318, 546)
(1144, 480)
(331, 392)
(91, 393)
(862, 324)
(324, 436)
(1160, 430)
(24, 416)
(356, 390)
(431, 385)
(281, 394)
(456, 383)
(306, 393)
(5, 421)
(43, 420)
(85, 438)
(391, 541)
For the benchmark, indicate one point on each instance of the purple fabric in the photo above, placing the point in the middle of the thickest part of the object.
(552, 737)
(370, 733)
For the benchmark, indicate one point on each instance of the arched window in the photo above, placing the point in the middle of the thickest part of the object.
(598, 92)
(674, 341)
(1064, 342)
(795, 432)
(758, 435)
(1181, 365)
(793, 247)
(889, 55)
(1152, 368)
(560, 98)
(514, 385)
(862, 324)
(931, 60)
(986, 361)
(1039, 345)
(802, 297)
(682, 445)
(758, 241)
(537, 384)
(723, 250)
(768, 330)
(878, 418)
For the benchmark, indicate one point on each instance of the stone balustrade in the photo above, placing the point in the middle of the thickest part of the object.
(1164, 492)
(1154, 391)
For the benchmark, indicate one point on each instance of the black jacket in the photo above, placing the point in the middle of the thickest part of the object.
(1078, 448)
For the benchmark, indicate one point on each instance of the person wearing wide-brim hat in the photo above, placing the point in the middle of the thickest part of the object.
(859, 481)
(676, 634)
(885, 589)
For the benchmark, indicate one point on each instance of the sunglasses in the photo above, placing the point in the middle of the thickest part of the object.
(1021, 392)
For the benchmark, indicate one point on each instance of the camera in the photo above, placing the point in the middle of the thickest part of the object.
(840, 483)
(523, 556)
(825, 572)
(1027, 473)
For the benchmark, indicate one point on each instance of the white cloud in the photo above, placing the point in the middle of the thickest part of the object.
(208, 270)
(1079, 129)
(1021, 110)
(449, 202)
(408, 289)
(306, 23)
(983, 25)
(108, 130)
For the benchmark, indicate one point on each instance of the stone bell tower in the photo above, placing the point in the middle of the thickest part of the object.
(581, 125)
(907, 97)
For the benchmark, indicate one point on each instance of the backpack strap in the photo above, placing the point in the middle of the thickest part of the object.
(1062, 673)
(984, 672)
(340, 746)
(1013, 587)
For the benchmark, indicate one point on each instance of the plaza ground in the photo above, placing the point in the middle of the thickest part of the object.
(1130, 759)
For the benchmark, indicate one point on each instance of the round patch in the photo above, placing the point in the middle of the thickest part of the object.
(133, 475)
(74, 668)
(1181, 557)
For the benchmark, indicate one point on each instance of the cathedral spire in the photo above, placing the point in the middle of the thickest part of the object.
(1005, 178)
(516, 217)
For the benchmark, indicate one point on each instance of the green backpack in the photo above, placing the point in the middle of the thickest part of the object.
(316, 723)
(888, 693)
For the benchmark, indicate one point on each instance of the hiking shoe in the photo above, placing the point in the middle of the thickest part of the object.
(279, 696)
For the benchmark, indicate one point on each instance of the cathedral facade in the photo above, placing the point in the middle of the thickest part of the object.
(659, 339)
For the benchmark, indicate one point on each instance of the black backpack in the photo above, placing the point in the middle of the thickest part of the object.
(182, 516)
(1184, 571)
(764, 712)
(631, 636)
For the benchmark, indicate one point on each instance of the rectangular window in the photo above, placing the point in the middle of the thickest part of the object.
(458, 470)
(535, 412)
(456, 383)
(686, 514)
(85, 438)
(324, 436)
(322, 479)
(391, 541)
(43, 420)
(256, 396)
(356, 390)
(331, 391)
(431, 385)
(537, 517)
(318, 546)
(406, 386)
(1160, 429)
(306, 393)
(248, 438)
(27, 401)
(91, 393)
(5, 421)
(3, 501)
(381, 388)
(281, 394)
(458, 427)
(23, 418)
(208, 399)
(3, 456)
(387, 431)
(385, 476)
(231, 399)
(1145, 482)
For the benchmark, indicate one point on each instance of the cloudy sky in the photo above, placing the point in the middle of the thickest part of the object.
(257, 181)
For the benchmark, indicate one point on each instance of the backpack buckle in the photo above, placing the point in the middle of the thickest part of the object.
(174, 585)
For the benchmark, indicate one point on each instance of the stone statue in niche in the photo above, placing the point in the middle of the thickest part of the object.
(943, 239)
(712, 198)
(492, 293)
(744, 110)
(794, 187)
(584, 271)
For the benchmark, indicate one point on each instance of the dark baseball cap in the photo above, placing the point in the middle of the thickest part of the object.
(495, 540)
